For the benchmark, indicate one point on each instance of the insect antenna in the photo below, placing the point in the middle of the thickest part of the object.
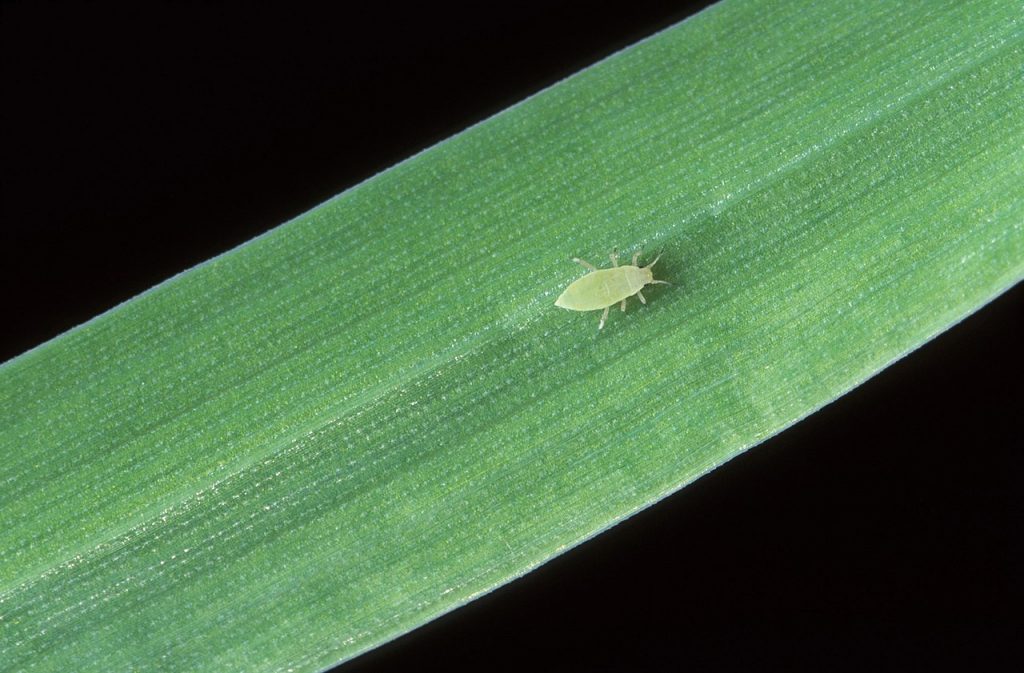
(660, 253)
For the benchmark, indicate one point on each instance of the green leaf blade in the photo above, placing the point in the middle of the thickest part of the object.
(374, 413)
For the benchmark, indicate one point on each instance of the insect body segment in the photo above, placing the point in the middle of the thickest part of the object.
(603, 288)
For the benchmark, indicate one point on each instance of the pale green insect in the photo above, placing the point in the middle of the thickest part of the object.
(603, 288)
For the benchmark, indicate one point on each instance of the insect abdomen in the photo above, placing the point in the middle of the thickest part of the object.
(598, 289)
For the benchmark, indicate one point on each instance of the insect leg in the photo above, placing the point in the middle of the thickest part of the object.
(615, 257)
(640, 296)
(623, 305)
(636, 256)
(604, 316)
(585, 264)
(659, 282)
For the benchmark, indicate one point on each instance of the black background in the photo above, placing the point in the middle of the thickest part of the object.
(882, 532)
